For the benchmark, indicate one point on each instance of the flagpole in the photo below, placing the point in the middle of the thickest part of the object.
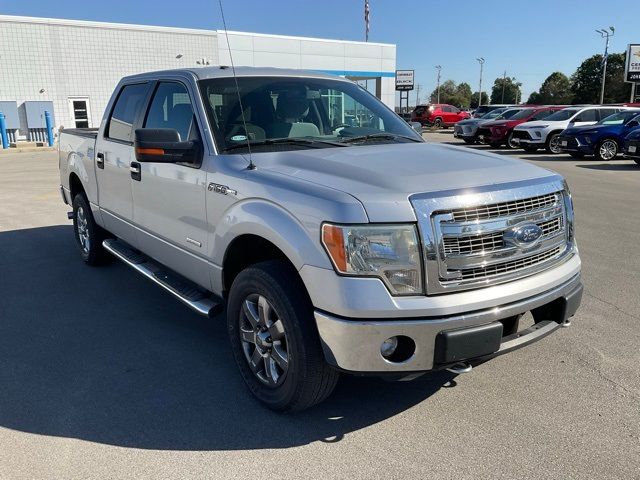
(367, 11)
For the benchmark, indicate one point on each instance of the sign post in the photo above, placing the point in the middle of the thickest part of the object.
(404, 84)
(632, 70)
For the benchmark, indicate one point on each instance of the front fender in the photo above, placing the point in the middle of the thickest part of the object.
(299, 241)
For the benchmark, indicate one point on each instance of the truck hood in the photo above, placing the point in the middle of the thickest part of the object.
(383, 176)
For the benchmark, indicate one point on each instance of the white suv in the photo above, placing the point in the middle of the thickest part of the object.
(545, 133)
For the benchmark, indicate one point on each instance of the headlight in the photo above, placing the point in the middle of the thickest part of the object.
(388, 252)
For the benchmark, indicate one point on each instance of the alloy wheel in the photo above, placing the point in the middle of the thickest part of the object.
(608, 149)
(264, 340)
(82, 226)
(554, 144)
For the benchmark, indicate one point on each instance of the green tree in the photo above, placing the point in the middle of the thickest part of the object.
(447, 91)
(474, 99)
(505, 90)
(586, 82)
(535, 99)
(555, 90)
(464, 94)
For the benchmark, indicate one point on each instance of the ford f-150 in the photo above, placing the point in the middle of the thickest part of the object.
(338, 240)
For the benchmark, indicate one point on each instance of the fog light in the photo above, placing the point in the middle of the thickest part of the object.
(389, 346)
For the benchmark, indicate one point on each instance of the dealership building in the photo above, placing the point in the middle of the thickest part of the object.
(70, 68)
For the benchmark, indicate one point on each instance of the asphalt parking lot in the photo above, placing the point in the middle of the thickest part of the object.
(102, 375)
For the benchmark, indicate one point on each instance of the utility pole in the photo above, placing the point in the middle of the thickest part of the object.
(481, 62)
(439, 68)
(504, 80)
(417, 95)
(605, 34)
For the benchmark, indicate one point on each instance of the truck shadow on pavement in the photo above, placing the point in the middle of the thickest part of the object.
(101, 354)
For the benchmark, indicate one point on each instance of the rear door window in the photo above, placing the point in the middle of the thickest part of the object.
(587, 116)
(605, 112)
(125, 112)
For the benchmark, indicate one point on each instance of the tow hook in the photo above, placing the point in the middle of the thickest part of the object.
(460, 368)
(70, 215)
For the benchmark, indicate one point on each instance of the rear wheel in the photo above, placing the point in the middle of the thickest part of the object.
(437, 123)
(274, 338)
(553, 144)
(607, 150)
(510, 143)
(88, 233)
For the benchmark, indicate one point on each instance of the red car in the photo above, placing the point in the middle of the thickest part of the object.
(438, 115)
(499, 132)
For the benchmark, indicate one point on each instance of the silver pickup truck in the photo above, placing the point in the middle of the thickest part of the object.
(338, 240)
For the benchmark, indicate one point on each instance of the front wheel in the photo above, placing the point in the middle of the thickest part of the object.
(437, 123)
(510, 143)
(606, 150)
(89, 235)
(553, 144)
(274, 338)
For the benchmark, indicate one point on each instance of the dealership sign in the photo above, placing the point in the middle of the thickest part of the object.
(632, 69)
(404, 79)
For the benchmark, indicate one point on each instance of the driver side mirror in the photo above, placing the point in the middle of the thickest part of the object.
(163, 145)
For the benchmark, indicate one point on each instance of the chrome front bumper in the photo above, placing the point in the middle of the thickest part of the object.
(354, 345)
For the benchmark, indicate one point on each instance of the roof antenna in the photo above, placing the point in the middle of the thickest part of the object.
(235, 79)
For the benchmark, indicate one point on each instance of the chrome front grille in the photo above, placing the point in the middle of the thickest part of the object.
(505, 208)
(483, 237)
(506, 267)
(492, 241)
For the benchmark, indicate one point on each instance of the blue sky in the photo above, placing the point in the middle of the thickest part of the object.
(529, 39)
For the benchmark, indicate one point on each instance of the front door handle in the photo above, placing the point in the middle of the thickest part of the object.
(136, 173)
(100, 160)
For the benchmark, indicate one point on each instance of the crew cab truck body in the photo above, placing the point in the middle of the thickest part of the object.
(335, 247)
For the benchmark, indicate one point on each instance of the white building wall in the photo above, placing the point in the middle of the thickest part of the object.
(50, 59)
(87, 59)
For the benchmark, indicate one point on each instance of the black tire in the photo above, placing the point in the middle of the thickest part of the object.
(308, 379)
(576, 154)
(551, 145)
(469, 141)
(437, 123)
(529, 149)
(610, 153)
(89, 235)
(510, 144)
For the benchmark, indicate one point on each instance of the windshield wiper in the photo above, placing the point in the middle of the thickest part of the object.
(311, 142)
(381, 135)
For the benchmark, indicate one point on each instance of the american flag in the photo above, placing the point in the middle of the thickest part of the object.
(367, 12)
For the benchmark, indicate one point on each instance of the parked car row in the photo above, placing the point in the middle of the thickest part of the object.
(602, 131)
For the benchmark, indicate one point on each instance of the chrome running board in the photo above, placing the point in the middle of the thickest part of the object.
(184, 290)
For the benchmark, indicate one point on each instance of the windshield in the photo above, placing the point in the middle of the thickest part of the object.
(565, 114)
(619, 118)
(493, 113)
(509, 113)
(288, 113)
(526, 113)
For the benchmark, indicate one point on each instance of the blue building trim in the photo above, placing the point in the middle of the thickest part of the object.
(355, 73)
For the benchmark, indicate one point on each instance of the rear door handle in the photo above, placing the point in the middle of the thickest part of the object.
(100, 160)
(136, 173)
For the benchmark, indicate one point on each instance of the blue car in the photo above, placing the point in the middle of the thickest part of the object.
(631, 147)
(604, 140)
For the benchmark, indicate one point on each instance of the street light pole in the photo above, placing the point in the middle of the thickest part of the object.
(439, 68)
(481, 62)
(504, 80)
(417, 94)
(605, 34)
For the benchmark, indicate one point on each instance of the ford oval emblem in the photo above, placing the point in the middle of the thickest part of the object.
(523, 235)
